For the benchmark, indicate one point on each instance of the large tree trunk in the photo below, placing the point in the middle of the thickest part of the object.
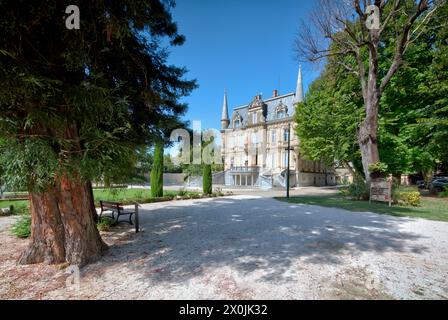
(368, 145)
(368, 131)
(63, 228)
(92, 201)
(367, 136)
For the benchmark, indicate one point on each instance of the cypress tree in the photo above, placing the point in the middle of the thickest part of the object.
(157, 172)
(207, 179)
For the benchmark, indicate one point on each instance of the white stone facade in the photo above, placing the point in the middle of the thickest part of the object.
(255, 143)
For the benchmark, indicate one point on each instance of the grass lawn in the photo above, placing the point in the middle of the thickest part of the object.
(129, 196)
(125, 196)
(20, 206)
(431, 208)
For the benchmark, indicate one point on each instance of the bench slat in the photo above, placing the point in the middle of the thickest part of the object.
(109, 203)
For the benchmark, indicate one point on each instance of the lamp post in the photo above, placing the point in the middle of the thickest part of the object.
(288, 161)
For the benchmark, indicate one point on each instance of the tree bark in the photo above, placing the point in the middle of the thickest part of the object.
(368, 131)
(368, 145)
(92, 201)
(63, 228)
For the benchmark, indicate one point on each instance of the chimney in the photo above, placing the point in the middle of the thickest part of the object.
(275, 94)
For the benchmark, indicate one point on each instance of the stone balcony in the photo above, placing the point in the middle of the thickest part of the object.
(245, 169)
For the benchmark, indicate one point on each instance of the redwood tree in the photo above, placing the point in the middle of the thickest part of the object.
(75, 104)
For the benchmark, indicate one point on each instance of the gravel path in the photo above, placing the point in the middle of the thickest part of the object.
(249, 247)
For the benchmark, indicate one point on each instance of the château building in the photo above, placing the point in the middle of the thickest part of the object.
(255, 143)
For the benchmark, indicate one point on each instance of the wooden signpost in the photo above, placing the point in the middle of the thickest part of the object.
(381, 190)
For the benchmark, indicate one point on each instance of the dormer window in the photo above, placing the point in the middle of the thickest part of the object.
(281, 111)
(281, 114)
(237, 120)
(254, 118)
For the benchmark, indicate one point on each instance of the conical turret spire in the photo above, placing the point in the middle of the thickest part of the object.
(299, 88)
(225, 113)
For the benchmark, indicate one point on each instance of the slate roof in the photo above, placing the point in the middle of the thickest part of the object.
(288, 100)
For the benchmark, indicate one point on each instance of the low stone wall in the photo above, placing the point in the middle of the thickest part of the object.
(316, 179)
(173, 179)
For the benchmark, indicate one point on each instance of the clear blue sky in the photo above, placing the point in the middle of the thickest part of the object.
(243, 46)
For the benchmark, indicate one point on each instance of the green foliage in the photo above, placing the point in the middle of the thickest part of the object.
(84, 102)
(196, 170)
(207, 179)
(182, 192)
(157, 172)
(413, 127)
(444, 193)
(378, 168)
(411, 198)
(431, 208)
(22, 228)
(130, 196)
(16, 206)
(105, 224)
(358, 190)
(327, 122)
(169, 166)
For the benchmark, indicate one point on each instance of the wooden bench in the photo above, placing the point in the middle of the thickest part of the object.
(115, 208)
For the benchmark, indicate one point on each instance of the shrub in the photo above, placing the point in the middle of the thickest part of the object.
(358, 190)
(379, 168)
(105, 224)
(157, 172)
(114, 193)
(207, 179)
(411, 198)
(22, 228)
(444, 193)
(182, 192)
(160, 199)
(219, 192)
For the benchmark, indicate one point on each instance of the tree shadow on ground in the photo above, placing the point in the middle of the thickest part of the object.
(181, 240)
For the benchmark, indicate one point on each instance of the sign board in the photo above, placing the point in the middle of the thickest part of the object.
(381, 190)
